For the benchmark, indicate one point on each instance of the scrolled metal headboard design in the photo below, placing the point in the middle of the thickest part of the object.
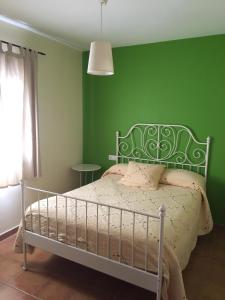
(173, 145)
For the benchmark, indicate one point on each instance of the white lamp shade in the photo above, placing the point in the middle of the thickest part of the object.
(100, 59)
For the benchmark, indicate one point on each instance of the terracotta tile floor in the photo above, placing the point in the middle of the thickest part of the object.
(54, 278)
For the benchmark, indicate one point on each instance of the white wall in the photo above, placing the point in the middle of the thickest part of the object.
(10, 211)
(60, 118)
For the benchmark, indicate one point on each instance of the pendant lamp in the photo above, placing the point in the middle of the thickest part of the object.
(100, 58)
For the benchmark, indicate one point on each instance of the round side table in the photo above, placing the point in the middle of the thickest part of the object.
(84, 169)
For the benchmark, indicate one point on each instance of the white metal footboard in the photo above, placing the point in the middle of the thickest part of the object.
(141, 277)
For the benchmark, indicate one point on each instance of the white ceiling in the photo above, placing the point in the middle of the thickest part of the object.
(126, 22)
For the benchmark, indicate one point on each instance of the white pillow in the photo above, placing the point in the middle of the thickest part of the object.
(140, 174)
(119, 169)
(183, 178)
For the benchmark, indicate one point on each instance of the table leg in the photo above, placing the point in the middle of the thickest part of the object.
(92, 176)
(80, 179)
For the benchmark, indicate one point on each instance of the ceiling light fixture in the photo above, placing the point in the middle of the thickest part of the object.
(100, 57)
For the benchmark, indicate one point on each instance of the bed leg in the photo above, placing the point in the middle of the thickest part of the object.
(24, 266)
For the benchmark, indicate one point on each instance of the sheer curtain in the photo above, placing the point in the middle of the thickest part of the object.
(19, 148)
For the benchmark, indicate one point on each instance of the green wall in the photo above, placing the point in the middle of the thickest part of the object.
(177, 82)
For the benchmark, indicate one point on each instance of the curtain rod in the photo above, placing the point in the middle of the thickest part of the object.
(15, 45)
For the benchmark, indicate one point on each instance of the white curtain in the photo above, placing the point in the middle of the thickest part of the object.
(19, 149)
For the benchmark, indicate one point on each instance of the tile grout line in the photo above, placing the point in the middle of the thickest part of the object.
(15, 288)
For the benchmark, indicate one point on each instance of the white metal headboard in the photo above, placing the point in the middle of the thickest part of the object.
(173, 145)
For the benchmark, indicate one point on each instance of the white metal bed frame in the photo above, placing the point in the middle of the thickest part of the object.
(173, 145)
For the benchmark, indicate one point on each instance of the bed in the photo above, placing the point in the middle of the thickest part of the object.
(122, 230)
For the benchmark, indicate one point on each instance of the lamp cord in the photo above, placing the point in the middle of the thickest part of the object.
(101, 18)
